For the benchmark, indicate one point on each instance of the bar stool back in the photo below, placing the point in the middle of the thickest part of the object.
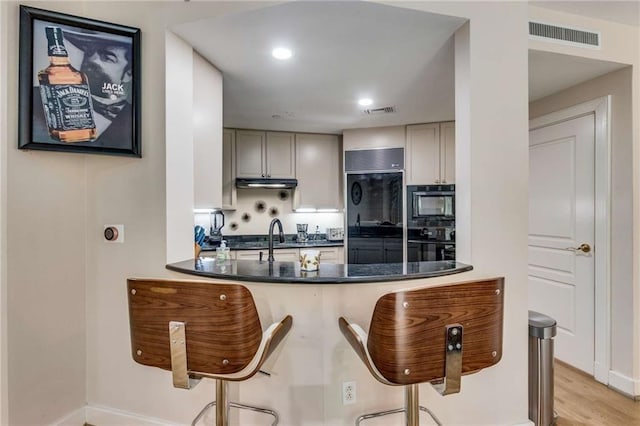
(201, 329)
(430, 335)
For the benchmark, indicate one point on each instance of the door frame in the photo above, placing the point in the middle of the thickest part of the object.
(601, 108)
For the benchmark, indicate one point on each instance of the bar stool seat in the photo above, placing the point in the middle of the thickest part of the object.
(430, 335)
(198, 329)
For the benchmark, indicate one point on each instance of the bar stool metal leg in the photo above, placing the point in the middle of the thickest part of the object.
(411, 409)
(412, 405)
(222, 403)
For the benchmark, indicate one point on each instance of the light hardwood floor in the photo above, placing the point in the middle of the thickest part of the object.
(580, 400)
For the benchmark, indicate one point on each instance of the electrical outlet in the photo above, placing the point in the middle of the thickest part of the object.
(348, 393)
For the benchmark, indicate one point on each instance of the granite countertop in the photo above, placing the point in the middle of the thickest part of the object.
(289, 272)
(262, 243)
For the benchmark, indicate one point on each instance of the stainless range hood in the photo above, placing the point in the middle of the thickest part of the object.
(266, 183)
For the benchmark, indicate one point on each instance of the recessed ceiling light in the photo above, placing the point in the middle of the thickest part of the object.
(281, 53)
(365, 102)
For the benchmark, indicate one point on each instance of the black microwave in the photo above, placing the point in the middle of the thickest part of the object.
(432, 201)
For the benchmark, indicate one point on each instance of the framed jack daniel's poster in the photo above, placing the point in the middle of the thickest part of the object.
(79, 84)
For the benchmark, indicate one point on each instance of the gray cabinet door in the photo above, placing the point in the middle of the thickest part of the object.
(366, 250)
(319, 171)
(392, 251)
(250, 154)
(280, 155)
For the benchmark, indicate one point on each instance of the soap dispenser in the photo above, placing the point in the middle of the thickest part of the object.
(222, 252)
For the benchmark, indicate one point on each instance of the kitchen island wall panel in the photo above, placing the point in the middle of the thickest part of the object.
(308, 370)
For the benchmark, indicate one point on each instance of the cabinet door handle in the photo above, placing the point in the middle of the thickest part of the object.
(263, 175)
(437, 180)
(444, 181)
(268, 175)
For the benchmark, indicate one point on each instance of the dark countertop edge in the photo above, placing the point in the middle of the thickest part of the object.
(283, 246)
(321, 280)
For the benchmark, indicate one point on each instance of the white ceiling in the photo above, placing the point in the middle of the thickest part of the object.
(552, 72)
(623, 12)
(342, 51)
(345, 50)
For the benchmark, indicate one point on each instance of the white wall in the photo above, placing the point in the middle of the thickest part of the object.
(134, 192)
(207, 133)
(491, 188)
(45, 266)
(620, 43)
(180, 144)
(617, 84)
(4, 136)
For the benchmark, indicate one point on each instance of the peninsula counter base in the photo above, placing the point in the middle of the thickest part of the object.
(312, 363)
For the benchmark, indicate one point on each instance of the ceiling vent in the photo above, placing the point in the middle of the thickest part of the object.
(383, 110)
(564, 35)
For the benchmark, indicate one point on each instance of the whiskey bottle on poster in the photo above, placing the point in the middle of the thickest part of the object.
(65, 95)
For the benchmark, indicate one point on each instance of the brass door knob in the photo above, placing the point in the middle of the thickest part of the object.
(584, 247)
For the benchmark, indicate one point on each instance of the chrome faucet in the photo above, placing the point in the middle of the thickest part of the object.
(280, 235)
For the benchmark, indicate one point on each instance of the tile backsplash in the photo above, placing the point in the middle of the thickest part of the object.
(256, 208)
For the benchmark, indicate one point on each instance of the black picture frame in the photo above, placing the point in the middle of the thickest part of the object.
(96, 114)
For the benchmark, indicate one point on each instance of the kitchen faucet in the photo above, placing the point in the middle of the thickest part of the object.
(280, 235)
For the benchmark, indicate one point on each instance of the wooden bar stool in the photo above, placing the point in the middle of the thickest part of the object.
(201, 329)
(430, 335)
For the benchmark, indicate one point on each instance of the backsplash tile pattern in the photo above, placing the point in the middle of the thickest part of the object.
(259, 222)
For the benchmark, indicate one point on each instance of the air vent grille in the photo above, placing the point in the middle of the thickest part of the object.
(383, 110)
(564, 34)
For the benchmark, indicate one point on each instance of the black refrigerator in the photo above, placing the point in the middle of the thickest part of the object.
(374, 200)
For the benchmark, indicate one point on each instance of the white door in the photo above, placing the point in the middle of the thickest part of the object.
(561, 219)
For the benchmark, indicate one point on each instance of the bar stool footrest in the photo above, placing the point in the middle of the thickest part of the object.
(239, 406)
(397, 410)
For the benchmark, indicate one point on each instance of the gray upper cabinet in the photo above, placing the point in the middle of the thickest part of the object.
(448, 152)
(229, 196)
(249, 154)
(319, 171)
(280, 155)
(430, 153)
(264, 154)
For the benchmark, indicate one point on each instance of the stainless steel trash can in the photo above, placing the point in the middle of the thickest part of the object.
(542, 329)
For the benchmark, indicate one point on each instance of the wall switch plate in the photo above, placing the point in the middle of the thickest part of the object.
(114, 233)
(348, 393)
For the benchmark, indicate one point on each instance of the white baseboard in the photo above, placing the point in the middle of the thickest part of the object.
(105, 416)
(624, 384)
(75, 418)
(601, 373)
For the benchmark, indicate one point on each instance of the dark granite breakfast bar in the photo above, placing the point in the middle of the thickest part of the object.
(289, 272)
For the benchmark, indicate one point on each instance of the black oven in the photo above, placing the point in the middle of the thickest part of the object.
(431, 243)
(431, 201)
(431, 223)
